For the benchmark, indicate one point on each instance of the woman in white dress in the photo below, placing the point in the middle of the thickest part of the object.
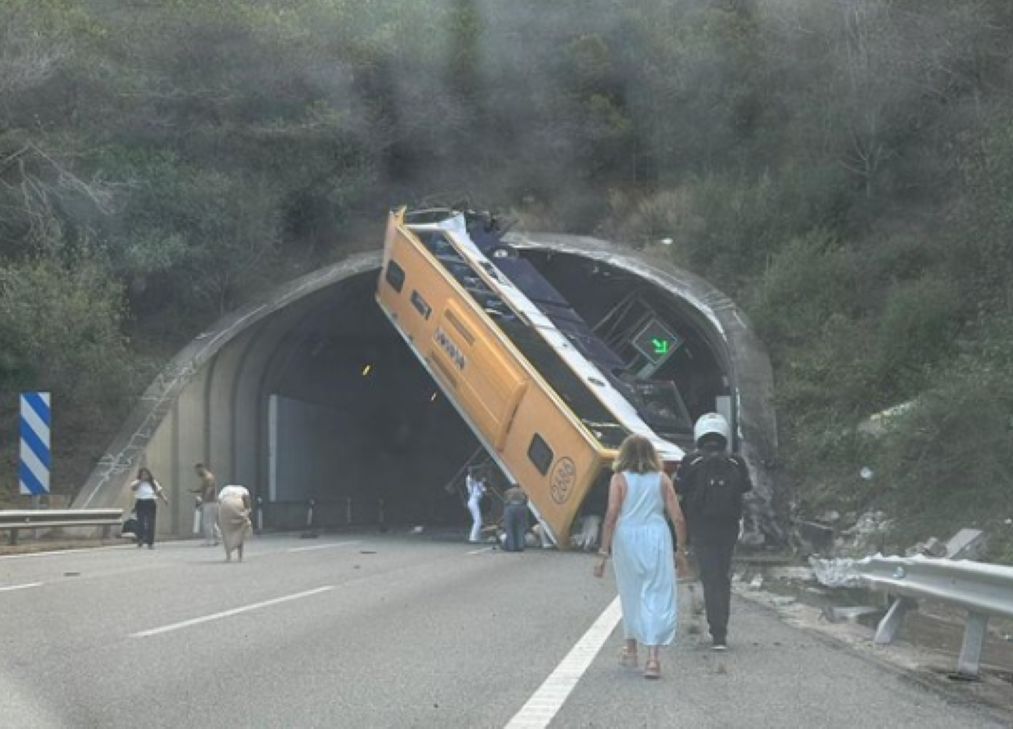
(636, 536)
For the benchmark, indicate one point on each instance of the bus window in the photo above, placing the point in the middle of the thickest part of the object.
(420, 305)
(540, 454)
(395, 275)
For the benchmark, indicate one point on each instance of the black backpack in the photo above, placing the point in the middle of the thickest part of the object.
(718, 487)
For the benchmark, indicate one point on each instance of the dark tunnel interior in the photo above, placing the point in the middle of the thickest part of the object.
(358, 425)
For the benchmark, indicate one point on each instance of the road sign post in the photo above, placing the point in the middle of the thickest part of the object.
(35, 459)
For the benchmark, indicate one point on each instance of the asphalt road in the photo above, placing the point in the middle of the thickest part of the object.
(395, 631)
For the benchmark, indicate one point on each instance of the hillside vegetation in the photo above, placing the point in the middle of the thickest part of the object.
(843, 168)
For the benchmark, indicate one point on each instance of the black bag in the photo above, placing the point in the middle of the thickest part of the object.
(719, 487)
(131, 526)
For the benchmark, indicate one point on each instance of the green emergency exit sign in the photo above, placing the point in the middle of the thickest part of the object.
(656, 341)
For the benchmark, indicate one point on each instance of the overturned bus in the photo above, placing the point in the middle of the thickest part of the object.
(548, 399)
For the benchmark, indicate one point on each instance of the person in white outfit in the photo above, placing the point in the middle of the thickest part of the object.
(146, 489)
(234, 509)
(476, 489)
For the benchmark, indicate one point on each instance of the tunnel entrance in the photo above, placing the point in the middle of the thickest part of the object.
(355, 423)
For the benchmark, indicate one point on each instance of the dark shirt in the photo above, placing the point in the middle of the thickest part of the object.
(688, 485)
(514, 495)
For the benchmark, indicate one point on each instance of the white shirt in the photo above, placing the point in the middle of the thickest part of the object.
(476, 487)
(233, 490)
(146, 490)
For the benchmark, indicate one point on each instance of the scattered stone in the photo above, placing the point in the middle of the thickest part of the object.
(848, 614)
(868, 533)
(830, 517)
(835, 572)
(931, 547)
(756, 583)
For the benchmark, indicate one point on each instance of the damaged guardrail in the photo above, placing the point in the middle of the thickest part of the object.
(984, 590)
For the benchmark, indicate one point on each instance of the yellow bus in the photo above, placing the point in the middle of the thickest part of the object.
(549, 418)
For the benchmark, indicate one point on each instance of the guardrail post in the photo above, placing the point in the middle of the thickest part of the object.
(889, 626)
(196, 516)
(260, 514)
(969, 661)
(12, 537)
(36, 504)
(309, 514)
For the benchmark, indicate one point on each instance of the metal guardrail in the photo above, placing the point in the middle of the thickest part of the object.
(15, 520)
(984, 590)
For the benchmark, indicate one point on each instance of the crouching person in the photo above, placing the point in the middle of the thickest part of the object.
(234, 507)
(515, 518)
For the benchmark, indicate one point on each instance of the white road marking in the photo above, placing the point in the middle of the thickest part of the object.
(320, 546)
(65, 551)
(11, 588)
(229, 613)
(546, 702)
(480, 551)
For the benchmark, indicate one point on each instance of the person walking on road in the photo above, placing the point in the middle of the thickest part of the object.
(476, 489)
(146, 489)
(637, 537)
(711, 483)
(234, 508)
(207, 492)
(515, 518)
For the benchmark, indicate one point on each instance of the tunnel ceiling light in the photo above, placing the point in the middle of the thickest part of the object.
(366, 370)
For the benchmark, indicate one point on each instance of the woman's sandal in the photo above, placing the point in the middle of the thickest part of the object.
(627, 658)
(652, 669)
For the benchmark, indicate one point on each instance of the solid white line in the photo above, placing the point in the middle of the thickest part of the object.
(11, 588)
(229, 613)
(64, 551)
(319, 546)
(479, 551)
(546, 702)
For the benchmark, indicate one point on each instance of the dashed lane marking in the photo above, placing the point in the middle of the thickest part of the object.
(54, 552)
(546, 702)
(321, 546)
(27, 585)
(230, 613)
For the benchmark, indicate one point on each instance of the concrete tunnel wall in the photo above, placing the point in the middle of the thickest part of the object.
(211, 403)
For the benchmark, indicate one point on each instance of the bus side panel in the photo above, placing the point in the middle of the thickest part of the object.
(460, 349)
(489, 385)
(552, 461)
(421, 287)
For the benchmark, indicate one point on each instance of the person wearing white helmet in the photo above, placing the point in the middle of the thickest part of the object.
(711, 482)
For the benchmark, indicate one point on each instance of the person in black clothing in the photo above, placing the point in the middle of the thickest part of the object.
(711, 484)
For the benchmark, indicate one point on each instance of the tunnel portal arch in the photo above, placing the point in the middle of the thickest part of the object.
(309, 393)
